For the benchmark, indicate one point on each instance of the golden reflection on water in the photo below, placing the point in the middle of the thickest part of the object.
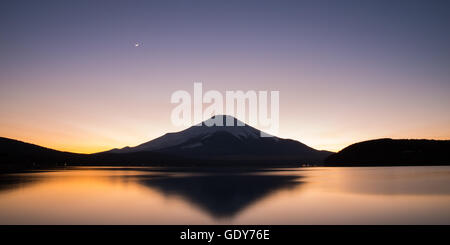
(93, 195)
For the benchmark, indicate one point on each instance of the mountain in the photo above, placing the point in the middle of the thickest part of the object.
(18, 154)
(14, 152)
(197, 145)
(220, 146)
(229, 143)
(390, 152)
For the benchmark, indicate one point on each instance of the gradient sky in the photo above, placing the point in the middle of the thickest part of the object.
(72, 79)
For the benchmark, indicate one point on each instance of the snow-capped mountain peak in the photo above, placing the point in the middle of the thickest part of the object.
(199, 131)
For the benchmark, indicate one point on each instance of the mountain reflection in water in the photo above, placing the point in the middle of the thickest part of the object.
(149, 195)
(222, 195)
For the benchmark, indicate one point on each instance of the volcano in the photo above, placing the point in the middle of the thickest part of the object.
(239, 142)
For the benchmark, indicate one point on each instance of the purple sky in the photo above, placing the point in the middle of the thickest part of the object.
(72, 79)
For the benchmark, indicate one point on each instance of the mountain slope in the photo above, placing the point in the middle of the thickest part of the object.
(18, 154)
(13, 152)
(197, 132)
(198, 145)
(243, 143)
(389, 152)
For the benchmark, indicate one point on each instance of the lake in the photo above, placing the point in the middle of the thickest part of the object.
(151, 195)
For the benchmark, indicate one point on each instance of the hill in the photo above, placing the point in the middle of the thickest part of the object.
(393, 152)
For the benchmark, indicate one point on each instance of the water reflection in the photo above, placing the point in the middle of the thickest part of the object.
(222, 195)
(12, 182)
(115, 195)
(387, 180)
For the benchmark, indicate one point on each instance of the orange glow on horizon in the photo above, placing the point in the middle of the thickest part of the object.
(79, 141)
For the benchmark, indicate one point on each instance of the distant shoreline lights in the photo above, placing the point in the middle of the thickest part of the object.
(236, 103)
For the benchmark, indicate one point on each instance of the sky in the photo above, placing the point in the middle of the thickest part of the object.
(72, 78)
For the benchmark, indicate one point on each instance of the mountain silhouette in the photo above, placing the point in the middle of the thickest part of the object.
(231, 143)
(16, 154)
(197, 145)
(390, 152)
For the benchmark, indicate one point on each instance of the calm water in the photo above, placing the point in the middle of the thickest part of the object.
(110, 195)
